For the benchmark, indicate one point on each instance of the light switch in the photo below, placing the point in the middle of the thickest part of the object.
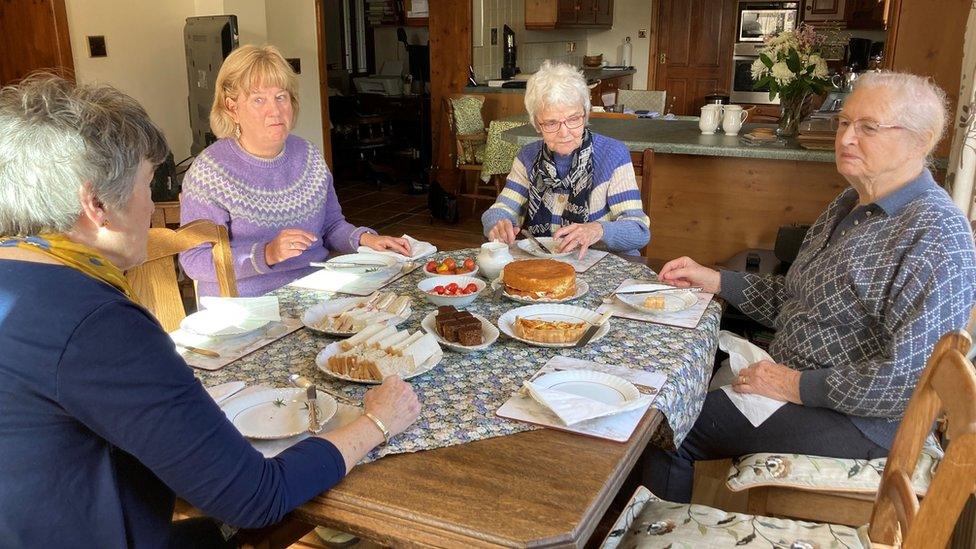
(642, 33)
(96, 46)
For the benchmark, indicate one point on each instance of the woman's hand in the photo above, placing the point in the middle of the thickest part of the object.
(582, 235)
(503, 231)
(382, 243)
(771, 380)
(684, 272)
(288, 244)
(394, 403)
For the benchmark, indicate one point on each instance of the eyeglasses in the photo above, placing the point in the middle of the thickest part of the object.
(864, 127)
(573, 122)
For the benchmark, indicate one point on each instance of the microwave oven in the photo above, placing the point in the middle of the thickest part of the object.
(759, 20)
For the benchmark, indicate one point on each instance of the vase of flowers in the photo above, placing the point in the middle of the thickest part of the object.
(791, 65)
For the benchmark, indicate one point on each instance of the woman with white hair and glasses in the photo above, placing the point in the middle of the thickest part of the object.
(885, 271)
(100, 418)
(573, 185)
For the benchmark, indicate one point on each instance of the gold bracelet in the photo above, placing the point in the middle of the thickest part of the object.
(380, 425)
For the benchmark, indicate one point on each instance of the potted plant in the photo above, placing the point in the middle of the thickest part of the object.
(791, 65)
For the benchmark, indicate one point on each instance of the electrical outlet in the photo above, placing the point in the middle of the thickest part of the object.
(642, 33)
(96, 46)
(494, 37)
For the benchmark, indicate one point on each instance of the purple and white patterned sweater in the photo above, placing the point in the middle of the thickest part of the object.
(255, 199)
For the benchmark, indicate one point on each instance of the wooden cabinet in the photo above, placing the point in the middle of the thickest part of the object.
(553, 14)
(608, 85)
(816, 11)
(866, 14)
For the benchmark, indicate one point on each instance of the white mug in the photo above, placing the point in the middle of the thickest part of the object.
(733, 118)
(711, 115)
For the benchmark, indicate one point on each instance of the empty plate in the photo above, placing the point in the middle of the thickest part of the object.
(276, 413)
(598, 386)
(217, 323)
(363, 264)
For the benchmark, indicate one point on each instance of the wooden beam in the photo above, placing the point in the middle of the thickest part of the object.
(450, 56)
(323, 82)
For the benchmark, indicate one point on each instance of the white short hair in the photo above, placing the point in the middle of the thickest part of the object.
(56, 136)
(919, 104)
(556, 84)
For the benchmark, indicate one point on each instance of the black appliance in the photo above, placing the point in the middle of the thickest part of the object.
(509, 68)
(207, 41)
(757, 20)
(858, 53)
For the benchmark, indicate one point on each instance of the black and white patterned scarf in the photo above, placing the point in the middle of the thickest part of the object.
(542, 195)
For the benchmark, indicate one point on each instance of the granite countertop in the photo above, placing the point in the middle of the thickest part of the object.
(681, 137)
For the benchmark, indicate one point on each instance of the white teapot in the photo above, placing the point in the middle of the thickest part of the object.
(492, 259)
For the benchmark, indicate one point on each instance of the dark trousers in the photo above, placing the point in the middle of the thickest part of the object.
(721, 431)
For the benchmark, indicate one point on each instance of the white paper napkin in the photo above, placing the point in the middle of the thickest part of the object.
(742, 353)
(418, 249)
(572, 409)
(264, 308)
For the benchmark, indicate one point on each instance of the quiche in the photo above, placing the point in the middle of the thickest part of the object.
(547, 331)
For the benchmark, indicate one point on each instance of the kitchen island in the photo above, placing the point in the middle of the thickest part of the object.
(712, 196)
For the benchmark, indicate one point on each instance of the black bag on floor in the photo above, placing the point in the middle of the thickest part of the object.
(442, 204)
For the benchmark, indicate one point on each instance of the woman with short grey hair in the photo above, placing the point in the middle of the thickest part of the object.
(102, 419)
(574, 185)
(884, 272)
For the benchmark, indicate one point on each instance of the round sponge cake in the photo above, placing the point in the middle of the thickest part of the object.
(540, 278)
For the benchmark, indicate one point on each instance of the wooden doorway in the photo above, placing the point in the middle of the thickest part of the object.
(692, 54)
(33, 36)
(323, 81)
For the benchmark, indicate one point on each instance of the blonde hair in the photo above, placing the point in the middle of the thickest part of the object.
(245, 69)
(556, 84)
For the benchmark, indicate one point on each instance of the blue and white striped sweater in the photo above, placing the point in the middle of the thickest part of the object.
(615, 200)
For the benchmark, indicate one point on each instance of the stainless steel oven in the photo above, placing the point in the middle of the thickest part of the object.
(757, 20)
(744, 55)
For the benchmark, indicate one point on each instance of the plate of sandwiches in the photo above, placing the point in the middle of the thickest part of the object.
(550, 325)
(529, 247)
(379, 351)
(660, 302)
(349, 315)
(541, 281)
(460, 331)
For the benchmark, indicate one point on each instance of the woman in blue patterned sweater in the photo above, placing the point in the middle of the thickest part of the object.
(574, 184)
(885, 271)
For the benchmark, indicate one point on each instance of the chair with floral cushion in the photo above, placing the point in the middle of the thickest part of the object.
(897, 519)
(463, 113)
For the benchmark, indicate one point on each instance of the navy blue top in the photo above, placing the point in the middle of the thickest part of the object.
(101, 421)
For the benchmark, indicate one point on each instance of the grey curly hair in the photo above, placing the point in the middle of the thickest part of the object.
(54, 137)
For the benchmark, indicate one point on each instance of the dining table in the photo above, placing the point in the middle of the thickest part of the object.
(461, 475)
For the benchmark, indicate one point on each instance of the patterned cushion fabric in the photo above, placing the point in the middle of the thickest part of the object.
(467, 115)
(825, 474)
(650, 522)
(649, 100)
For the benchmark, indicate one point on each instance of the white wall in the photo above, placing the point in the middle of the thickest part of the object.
(628, 17)
(144, 41)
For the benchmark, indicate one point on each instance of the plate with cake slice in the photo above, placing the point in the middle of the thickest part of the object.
(379, 351)
(549, 242)
(662, 301)
(541, 281)
(349, 315)
(460, 331)
(550, 325)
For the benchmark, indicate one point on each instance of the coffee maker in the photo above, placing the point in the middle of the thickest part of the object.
(508, 51)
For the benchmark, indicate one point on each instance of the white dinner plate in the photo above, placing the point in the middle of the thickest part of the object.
(598, 386)
(313, 316)
(372, 265)
(547, 241)
(674, 301)
(488, 331)
(276, 413)
(217, 323)
(565, 313)
(582, 288)
(322, 361)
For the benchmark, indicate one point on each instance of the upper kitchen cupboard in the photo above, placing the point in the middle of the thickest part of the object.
(553, 14)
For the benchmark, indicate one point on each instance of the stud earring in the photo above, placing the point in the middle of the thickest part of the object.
(105, 223)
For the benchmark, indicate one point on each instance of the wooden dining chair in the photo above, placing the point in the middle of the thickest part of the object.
(469, 150)
(155, 281)
(898, 518)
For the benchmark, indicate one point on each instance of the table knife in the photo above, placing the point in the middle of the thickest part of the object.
(660, 290)
(311, 399)
(533, 240)
(199, 351)
(593, 329)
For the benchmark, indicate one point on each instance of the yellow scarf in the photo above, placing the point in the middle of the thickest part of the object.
(74, 255)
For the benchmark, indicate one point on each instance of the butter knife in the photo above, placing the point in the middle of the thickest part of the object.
(533, 240)
(311, 400)
(199, 351)
(593, 329)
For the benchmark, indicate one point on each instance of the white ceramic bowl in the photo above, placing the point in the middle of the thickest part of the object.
(423, 267)
(428, 284)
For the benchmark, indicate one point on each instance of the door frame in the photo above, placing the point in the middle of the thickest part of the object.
(323, 81)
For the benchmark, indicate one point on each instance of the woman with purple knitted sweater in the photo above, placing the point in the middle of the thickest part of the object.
(272, 190)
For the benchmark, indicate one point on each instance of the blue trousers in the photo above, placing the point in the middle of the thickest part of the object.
(721, 431)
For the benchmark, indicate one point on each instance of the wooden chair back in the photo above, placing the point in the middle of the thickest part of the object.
(618, 115)
(155, 281)
(948, 384)
(649, 100)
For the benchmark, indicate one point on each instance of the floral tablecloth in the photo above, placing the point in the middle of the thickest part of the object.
(460, 396)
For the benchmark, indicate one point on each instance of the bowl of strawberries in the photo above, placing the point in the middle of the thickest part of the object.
(449, 267)
(451, 290)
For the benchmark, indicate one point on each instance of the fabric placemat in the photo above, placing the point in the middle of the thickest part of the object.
(689, 318)
(618, 427)
(231, 348)
(333, 281)
(591, 258)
